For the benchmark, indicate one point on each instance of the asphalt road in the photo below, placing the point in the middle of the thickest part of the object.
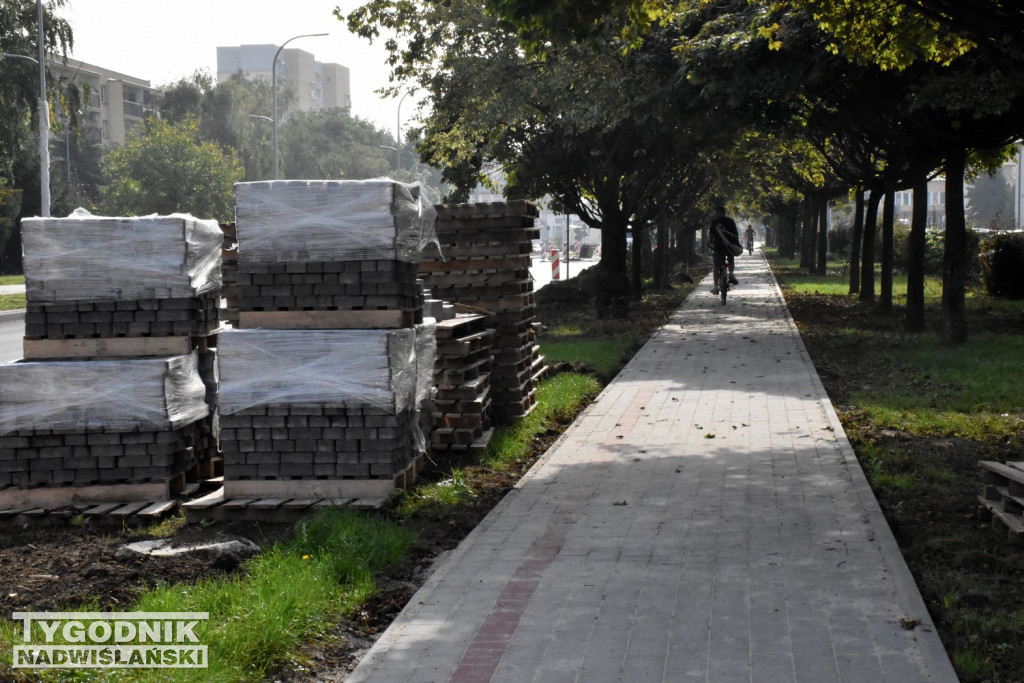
(12, 330)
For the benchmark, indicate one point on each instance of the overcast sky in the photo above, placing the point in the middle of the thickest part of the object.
(163, 41)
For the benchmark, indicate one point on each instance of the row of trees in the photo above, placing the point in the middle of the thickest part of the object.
(647, 112)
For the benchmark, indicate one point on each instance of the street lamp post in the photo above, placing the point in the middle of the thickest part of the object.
(395, 150)
(44, 123)
(398, 136)
(273, 86)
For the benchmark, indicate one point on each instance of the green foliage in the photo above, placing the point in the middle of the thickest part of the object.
(1002, 265)
(330, 144)
(168, 168)
(19, 78)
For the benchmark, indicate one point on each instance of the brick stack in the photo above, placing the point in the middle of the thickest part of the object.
(89, 277)
(486, 260)
(119, 311)
(462, 406)
(329, 376)
(89, 422)
(229, 276)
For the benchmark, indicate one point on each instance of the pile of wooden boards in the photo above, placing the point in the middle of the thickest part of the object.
(118, 375)
(484, 262)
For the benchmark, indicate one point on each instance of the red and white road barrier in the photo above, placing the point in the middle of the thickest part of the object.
(556, 270)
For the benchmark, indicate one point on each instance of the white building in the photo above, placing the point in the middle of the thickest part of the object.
(314, 85)
(118, 102)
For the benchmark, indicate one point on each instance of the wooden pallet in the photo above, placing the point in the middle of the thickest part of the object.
(290, 500)
(1002, 497)
(114, 347)
(329, 320)
(144, 511)
(220, 507)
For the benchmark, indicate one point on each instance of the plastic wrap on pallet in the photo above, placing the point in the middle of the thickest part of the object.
(281, 221)
(99, 258)
(330, 367)
(426, 358)
(125, 395)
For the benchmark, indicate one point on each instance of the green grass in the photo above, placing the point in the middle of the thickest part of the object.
(290, 594)
(972, 390)
(558, 397)
(12, 280)
(606, 356)
(12, 302)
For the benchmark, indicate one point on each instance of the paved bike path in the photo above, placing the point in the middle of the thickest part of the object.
(704, 520)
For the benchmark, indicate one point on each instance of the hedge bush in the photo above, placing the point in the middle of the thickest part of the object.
(1002, 264)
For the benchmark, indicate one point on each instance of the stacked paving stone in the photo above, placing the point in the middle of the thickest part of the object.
(99, 421)
(89, 277)
(461, 417)
(313, 399)
(105, 418)
(229, 276)
(320, 404)
(486, 260)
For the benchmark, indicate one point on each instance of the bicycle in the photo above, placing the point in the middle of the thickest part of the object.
(723, 281)
(750, 246)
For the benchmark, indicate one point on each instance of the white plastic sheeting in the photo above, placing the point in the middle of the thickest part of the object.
(123, 395)
(330, 367)
(282, 221)
(99, 258)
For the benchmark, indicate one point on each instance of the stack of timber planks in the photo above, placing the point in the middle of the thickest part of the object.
(324, 386)
(120, 329)
(484, 262)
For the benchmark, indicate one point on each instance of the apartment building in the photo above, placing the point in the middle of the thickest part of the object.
(314, 85)
(117, 102)
(936, 204)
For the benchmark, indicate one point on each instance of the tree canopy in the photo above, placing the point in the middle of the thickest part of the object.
(167, 168)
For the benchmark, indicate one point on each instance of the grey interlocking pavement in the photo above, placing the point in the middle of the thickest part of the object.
(704, 520)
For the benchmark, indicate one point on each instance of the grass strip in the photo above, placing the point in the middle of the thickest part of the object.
(12, 302)
(290, 594)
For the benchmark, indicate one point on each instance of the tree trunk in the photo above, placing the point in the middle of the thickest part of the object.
(612, 297)
(856, 235)
(661, 260)
(867, 261)
(954, 261)
(888, 250)
(915, 259)
(636, 284)
(822, 268)
(807, 236)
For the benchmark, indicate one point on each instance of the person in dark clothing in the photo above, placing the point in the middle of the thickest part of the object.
(723, 229)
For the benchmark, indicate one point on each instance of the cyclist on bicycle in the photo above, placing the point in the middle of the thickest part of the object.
(723, 228)
(749, 234)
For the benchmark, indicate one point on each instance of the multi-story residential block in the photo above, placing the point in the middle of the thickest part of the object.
(117, 102)
(314, 85)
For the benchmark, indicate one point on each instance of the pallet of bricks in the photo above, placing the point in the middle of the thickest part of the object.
(1002, 496)
(484, 261)
(109, 411)
(462, 373)
(325, 387)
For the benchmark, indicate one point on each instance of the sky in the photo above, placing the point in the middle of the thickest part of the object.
(164, 41)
